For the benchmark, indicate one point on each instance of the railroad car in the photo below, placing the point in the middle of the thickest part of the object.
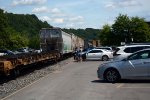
(54, 44)
(56, 39)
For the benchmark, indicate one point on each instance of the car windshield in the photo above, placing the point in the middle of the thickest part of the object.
(106, 48)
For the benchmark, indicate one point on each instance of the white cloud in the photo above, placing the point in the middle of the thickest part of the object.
(27, 2)
(122, 3)
(57, 13)
(110, 5)
(52, 20)
(55, 10)
(127, 3)
(45, 18)
(58, 20)
(76, 18)
(40, 10)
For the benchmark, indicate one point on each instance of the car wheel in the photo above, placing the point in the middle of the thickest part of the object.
(111, 75)
(105, 58)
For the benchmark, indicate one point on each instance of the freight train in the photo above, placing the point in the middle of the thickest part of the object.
(54, 44)
(56, 39)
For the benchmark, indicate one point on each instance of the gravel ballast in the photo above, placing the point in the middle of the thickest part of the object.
(13, 85)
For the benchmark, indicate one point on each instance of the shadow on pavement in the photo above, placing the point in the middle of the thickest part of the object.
(99, 81)
(123, 81)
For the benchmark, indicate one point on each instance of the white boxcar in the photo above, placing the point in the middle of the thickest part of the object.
(77, 42)
(67, 42)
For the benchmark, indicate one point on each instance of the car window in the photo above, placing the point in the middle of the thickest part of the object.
(140, 55)
(95, 51)
(146, 47)
(134, 49)
(127, 50)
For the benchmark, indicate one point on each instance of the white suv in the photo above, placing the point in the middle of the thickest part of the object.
(124, 51)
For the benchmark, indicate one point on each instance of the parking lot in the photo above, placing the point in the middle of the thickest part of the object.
(78, 81)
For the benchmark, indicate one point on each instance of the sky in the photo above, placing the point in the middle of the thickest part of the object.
(78, 13)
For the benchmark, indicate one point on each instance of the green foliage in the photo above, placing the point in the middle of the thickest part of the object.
(28, 25)
(3, 30)
(105, 36)
(34, 42)
(14, 40)
(87, 34)
(19, 30)
(3, 21)
(125, 29)
(139, 29)
(121, 27)
(18, 41)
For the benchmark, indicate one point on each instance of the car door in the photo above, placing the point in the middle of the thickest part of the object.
(137, 65)
(94, 54)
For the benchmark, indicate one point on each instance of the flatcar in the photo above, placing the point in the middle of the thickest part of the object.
(54, 44)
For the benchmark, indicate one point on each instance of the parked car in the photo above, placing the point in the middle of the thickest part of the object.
(98, 54)
(24, 50)
(85, 50)
(134, 66)
(124, 51)
(106, 48)
(38, 51)
(5, 52)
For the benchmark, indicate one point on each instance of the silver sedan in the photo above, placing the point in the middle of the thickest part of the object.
(99, 54)
(135, 66)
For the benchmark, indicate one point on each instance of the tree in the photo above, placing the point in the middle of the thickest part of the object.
(121, 28)
(105, 32)
(139, 30)
(126, 30)
(15, 40)
(35, 42)
(3, 28)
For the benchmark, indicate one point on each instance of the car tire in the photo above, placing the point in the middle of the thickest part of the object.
(105, 58)
(111, 75)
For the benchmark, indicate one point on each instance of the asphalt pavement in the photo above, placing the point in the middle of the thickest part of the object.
(78, 81)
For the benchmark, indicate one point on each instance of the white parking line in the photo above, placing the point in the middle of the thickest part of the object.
(120, 85)
(132, 87)
(136, 87)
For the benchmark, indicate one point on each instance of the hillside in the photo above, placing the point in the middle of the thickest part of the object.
(26, 23)
(19, 30)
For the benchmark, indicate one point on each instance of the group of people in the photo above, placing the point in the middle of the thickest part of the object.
(77, 54)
